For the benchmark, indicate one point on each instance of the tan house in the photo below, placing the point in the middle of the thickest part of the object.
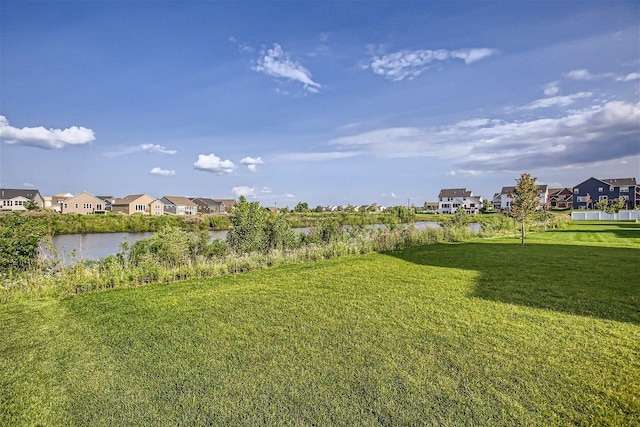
(132, 204)
(83, 203)
(227, 204)
(156, 208)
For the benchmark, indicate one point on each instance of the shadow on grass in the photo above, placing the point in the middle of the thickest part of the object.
(602, 282)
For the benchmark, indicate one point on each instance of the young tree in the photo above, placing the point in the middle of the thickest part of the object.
(525, 201)
(249, 232)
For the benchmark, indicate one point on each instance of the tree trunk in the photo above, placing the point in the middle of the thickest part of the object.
(522, 233)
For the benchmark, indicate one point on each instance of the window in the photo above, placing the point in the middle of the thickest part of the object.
(611, 189)
(582, 199)
(603, 198)
(141, 208)
(600, 189)
(624, 189)
(76, 206)
(576, 191)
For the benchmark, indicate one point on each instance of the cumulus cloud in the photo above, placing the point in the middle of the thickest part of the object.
(599, 133)
(41, 137)
(584, 74)
(251, 163)
(277, 63)
(214, 164)
(552, 89)
(149, 148)
(243, 190)
(629, 77)
(409, 64)
(559, 101)
(163, 172)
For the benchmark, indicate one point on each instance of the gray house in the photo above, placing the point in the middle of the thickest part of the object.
(17, 199)
(208, 206)
(177, 205)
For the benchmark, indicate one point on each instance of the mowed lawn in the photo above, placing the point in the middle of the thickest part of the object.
(479, 333)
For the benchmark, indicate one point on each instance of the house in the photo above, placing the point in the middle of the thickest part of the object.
(55, 202)
(132, 204)
(156, 208)
(450, 199)
(589, 192)
(502, 201)
(227, 204)
(18, 199)
(177, 205)
(560, 198)
(108, 202)
(208, 206)
(83, 203)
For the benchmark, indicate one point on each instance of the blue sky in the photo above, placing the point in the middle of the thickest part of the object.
(323, 102)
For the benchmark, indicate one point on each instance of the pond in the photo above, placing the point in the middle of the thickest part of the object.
(93, 246)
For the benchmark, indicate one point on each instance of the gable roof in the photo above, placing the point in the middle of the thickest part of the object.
(10, 193)
(454, 192)
(130, 199)
(620, 182)
(179, 200)
(206, 201)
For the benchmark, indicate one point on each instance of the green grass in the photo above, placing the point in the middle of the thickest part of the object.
(479, 333)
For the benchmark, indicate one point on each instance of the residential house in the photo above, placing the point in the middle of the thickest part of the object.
(132, 204)
(56, 201)
(589, 192)
(177, 205)
(227, 204)
(108, 202)
(83, 203)
(502, 201)
(208, 206)
(156, 208)
(560, 198)
(18, 199)
(449, 200)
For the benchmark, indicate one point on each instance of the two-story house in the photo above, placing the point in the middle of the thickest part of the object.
(561, 198)
(503, 201)
(18, 199)
(589, 192)
(451, 199)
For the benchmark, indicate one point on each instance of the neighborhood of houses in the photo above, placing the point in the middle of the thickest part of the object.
(582, 196)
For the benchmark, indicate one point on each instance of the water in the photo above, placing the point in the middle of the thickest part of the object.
(93, 246)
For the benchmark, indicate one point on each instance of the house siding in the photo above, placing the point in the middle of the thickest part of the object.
(589, 192)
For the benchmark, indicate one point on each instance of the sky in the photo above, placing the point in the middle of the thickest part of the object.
(323, 102)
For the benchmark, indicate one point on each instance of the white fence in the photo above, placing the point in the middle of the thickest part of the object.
(603, 216)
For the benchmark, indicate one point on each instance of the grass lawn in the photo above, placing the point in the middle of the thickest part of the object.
(479, 333)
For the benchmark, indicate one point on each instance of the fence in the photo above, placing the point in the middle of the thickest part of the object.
(603, 216)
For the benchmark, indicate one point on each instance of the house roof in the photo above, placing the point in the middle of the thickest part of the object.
(206, 201)
(129, 199)
(10, 193)
(454, 192)
(620, 182)
(179, 200)
(510, 190)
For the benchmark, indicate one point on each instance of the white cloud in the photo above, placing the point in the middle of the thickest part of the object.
(251, 163)
(277, 63)
(560, 101)
(604, 132)
(552, 89)
(149, 148)
(243, 190)
(163, 172)
(214, 164)
(40, 137)
(584, 74)
(409, 64)
(629, 77)
(155, 148)
(317, 156)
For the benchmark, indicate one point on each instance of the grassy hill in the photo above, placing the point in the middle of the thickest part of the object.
(479, 333)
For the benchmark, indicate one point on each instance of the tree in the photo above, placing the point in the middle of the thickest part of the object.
(301, 207)
(611, 207)
(525, 201)
(249, 232)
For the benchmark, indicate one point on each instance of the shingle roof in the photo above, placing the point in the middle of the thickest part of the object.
(10, 193)
(179, 200)
(618, 182)
(454, 192)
